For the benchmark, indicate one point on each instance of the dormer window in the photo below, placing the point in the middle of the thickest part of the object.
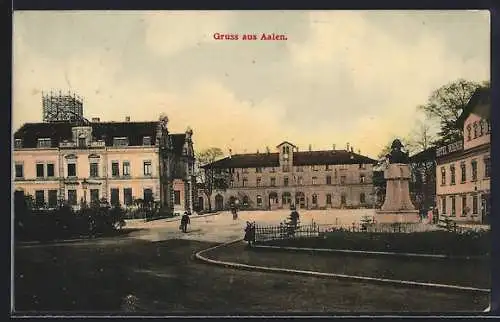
(146, 140)
(475, 130)
(81, 141)
(44, 143)
(121, 141)
(18, 143)
(469, 132)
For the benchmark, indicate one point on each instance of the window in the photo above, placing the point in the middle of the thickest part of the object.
(475, 130)
(81, 142)
(488, 127)
(285, 181)
(362, 198)
(314, 199)
(474, 170)
(52, 200)
(126, 168)
(127, 196)
(18, 143)
(487, 167)
(94, 196)
(362, 166)
(300, 169)
(50, 169)
(342, 179)
(272, 170)
(362, 178)
(245, 182)
(474, 204)
(327, 167)
(115, 169)
(469, 132)
(71, 169)
(343, 198)
(314, 180)
(452, 174)
(443, 206)
(19, 171)
(146, 140)
(94, 170)
(44, 143)
(328, 199)
(115, 197)
(120, 141)
(72, 200)
(314, 168)
(40, 198)
(273, 182)
(300, 181)
(147, 168)
(177, 197)
(443, 176)
(259, 201)
(148, 195)
(453, 206)
(258, 170)
(39, 170)
(481, 128)
(464, 206)
(328, 179)
(258, 182)
(335, 174)
(464, 172)
(286, 168)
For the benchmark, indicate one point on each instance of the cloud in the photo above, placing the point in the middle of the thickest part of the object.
(171, 32)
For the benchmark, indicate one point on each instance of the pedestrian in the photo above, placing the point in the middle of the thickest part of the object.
(294, 216)
(430, 215)
(249, 233)
(185, 220)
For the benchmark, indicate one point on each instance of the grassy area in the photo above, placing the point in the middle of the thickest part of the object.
(463, 273)
(166, 280)
(432, 242)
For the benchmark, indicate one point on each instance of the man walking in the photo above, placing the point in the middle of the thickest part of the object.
(185, 220)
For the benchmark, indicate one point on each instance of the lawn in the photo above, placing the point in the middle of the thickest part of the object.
(431, 242)
(86, 278)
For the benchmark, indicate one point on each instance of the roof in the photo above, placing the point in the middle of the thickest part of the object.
(428, 154)
(482, 96)
(258, 160)
(59, 131)
(285, 142)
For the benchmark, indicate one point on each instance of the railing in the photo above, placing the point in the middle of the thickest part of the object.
(265, 233)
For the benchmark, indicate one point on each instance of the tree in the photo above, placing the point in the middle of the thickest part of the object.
(445, 105)
(421, 137)
(209, 177)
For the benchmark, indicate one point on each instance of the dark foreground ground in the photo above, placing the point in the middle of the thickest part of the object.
(166, 279)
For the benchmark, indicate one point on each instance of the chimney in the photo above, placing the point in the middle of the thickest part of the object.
(352, 149)
(359, 151)
(347, 146)
(258, 151)
(127, 118)
(96, 120)
(230, 153)
(333, 147)
(310, 147)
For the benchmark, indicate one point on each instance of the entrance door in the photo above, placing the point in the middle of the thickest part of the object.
(485, 209)
(200, 203)
(219, 202)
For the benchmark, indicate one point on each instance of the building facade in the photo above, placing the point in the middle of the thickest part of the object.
(309, 179)
(423, 179)
(118, 161)
(464, 167)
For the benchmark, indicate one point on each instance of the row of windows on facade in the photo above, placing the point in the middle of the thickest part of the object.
(286, 168)
(47, 170)
(453, 210)
(82, 142)
(52, 196)
(463, 169)
(478, 128)
(297, 180)
(286, 198)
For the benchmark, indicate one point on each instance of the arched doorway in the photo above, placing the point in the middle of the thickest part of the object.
(300, 199)
(273, 200)
(286, 198)
(219, 202)
(201, 206)
(245, 201)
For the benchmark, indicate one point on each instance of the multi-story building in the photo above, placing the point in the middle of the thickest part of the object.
(464, 167)
(307, 179)
(119, 161)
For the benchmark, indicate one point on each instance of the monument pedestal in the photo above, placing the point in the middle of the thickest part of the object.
(397, 207)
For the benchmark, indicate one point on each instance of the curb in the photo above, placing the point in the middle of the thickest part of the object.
(328, 250)
(200, 257)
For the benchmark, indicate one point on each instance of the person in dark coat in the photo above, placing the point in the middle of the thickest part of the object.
(185, 220)
(294, 216)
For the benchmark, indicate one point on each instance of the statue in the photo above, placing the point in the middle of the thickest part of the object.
(397, 155)
(163, 121)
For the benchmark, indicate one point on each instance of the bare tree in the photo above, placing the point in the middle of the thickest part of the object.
(421, 137)
(209, 177)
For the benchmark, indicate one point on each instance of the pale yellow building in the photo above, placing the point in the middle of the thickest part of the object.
(464, 167)
(119, 161)
(307, 179)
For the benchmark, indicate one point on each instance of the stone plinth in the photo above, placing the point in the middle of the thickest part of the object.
(397, 205)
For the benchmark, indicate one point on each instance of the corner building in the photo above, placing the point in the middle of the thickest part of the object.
(119, 161)
(309, 180)
(464, 167)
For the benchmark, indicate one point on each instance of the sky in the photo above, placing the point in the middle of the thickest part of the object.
(340, 77)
